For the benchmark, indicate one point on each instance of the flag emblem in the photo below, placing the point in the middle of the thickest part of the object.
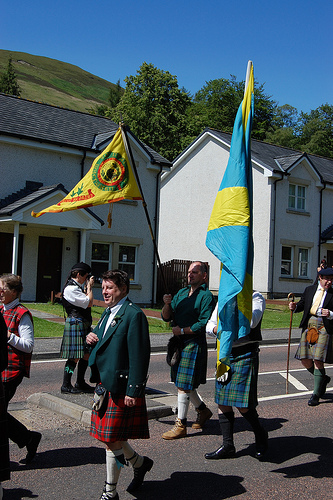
(110, 173)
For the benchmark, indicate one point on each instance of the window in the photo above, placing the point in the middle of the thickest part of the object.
(100, 259)
(297, 196)
(127, 261)
(303, 262)
(286, 261)
(298, 267)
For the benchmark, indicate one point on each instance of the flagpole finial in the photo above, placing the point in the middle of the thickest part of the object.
(248, 72)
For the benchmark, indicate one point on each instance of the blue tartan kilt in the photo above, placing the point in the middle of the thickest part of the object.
(191, 370)
(74, 339)
(117, 422)
(241, 388)
(4, 445)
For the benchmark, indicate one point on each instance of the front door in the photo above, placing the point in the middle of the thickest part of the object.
(48, 267)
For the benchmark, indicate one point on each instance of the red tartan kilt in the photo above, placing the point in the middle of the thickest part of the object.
(117, 422)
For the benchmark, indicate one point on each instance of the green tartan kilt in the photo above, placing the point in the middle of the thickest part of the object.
(74, 339)
(321, 351)
(191, 370)
(241, 388)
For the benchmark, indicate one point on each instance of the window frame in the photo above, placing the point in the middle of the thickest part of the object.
(128, 263)
(299, 198)
(101, 261)
(291, 261)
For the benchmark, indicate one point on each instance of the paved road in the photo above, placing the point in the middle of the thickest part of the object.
(71, 464)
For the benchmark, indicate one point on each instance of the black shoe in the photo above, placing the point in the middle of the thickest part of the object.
(314, 400)
(32, 446)
(106, 495)
(327, 380)
(261, 444)
(84, 387)
(221, 452)
(69, 389)
(139, 474)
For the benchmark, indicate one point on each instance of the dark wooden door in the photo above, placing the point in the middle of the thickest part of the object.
(48, 267)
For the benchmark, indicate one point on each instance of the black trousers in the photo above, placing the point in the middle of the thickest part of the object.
(17, 432)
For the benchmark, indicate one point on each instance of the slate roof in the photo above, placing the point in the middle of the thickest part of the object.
(33, 192)
(42, 122)
(277, 158)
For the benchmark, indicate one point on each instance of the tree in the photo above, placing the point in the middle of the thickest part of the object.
(115, 95)
(284, 127)
(316, 131)
(216, 105)
(154, 108)
(8, 81)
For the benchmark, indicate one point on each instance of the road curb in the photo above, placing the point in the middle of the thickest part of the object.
(81, 413)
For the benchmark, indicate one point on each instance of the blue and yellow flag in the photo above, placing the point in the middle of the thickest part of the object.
(229, 235)
(110, 179)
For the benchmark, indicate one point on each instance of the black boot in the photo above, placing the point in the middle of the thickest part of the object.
(227, 449)
(81, 384)
(261, 435)
(68, 372)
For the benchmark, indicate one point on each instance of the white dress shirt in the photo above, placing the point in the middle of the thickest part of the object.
(25, 341)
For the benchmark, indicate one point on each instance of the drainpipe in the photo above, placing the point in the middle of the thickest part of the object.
(320, 216)
(82, 163)
(155, 233)
(270, 287)
(82, 237)
(16, 236)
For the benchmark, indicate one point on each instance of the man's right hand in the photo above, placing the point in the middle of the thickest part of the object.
(292, 306)
(167, 298)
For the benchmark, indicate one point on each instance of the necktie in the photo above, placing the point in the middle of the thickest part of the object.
(102, 326)
(317, 302)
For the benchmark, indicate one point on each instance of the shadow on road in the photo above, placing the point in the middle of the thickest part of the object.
(68, 457)
(186, 485)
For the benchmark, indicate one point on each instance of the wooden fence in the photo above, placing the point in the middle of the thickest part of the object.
(175, 275)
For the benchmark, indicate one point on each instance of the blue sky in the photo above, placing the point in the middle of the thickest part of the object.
(289, 42)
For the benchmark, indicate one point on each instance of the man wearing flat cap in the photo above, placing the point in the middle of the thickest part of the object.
(77, 299)
(315, 347)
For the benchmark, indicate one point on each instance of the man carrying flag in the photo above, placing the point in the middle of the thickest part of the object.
(229, 238)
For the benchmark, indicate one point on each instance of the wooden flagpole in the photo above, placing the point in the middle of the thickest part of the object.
(144, 204)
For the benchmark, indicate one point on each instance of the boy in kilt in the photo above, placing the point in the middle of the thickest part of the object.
(317, 305)
(20, 343)
(189, 310)
(77, 304)
(119, 363)
(239, 387)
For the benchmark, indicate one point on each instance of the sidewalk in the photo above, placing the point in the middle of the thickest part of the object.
(78, 406)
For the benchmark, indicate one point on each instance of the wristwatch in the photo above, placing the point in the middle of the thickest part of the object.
(182, 331)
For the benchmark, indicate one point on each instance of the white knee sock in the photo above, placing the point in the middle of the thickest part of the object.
(112, 470)
(195, 399)
(131, 455)
(183, 404)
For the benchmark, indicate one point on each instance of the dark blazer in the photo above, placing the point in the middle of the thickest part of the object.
(305, 304)
(120, 359)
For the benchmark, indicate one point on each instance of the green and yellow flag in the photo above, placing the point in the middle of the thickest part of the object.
(110, 179)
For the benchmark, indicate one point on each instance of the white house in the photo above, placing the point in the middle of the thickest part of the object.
(292, 211)
(44, 152)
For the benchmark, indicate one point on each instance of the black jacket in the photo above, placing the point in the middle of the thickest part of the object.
(305, 304)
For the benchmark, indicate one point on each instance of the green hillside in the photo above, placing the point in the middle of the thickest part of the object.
(54, 82)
